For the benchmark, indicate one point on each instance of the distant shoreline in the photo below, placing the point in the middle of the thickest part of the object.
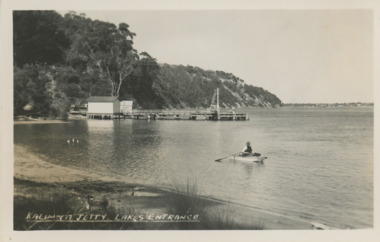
(329, 105)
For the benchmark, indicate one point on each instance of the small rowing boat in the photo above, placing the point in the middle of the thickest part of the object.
(245, 157)
(248, 158)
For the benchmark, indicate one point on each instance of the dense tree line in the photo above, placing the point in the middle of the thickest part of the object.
(62, 60)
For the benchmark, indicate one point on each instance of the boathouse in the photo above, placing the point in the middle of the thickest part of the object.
(103, 107)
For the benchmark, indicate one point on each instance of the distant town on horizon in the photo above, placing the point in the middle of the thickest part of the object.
(321, 105)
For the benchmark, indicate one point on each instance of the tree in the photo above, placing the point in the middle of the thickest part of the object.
(139, 84)
(117, 58)
(101, 48)
(23, 83)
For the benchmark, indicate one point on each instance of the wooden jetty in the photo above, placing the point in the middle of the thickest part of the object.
(187, 115)
(176, 115)
(213, 113)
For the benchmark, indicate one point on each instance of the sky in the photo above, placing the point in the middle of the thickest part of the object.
(301, 56)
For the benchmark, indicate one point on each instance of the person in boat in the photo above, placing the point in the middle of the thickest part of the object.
(247, 150)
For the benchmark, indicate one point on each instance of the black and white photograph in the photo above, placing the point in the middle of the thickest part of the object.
(204, 119)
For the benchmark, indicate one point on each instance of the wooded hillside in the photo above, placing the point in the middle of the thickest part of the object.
(60, 61)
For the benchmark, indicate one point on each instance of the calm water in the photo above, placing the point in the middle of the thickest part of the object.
(320, 165)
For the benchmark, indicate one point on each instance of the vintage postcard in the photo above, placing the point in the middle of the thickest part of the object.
(189, 121)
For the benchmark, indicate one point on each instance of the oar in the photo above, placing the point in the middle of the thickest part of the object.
(227, 157)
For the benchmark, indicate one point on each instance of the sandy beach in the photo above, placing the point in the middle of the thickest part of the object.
(36, 180)
(29, 120)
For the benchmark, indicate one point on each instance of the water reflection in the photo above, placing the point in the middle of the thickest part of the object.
(125, 147)
(100, 143)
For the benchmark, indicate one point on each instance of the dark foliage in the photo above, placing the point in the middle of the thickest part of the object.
(38, 38)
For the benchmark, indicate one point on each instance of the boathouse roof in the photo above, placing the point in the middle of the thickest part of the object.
(102, 99)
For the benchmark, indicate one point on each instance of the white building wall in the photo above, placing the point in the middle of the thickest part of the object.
(97, 107)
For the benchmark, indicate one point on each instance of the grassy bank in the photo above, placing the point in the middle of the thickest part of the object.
(125, 207)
